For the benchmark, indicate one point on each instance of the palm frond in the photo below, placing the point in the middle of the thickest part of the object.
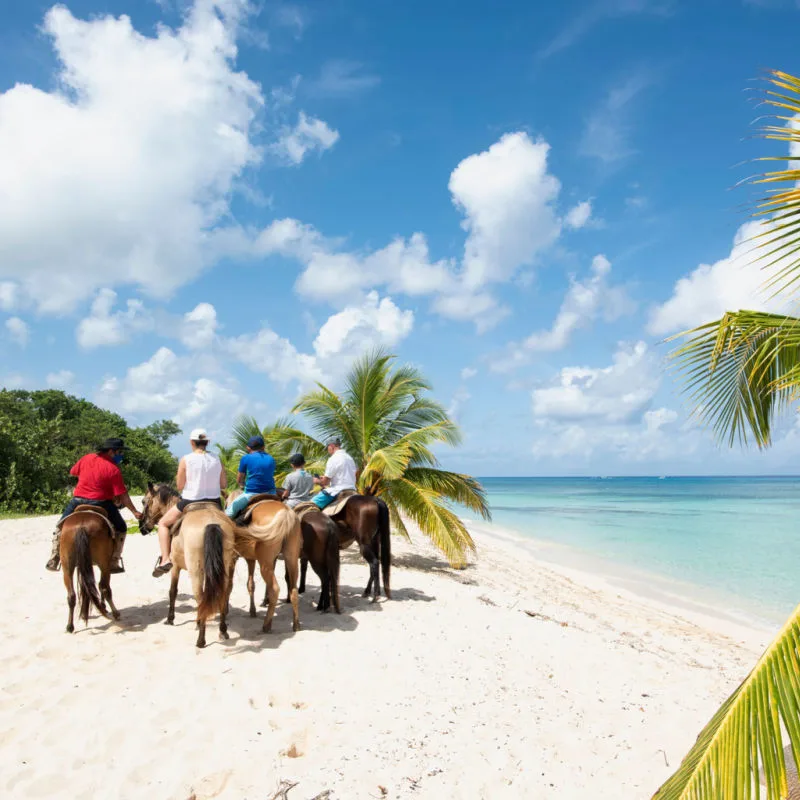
(740, 371)
(330, 416)
(243, 428)
(743, 744)
(386, 464)
(462, 489)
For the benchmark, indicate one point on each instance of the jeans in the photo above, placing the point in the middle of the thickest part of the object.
(239, 504)
(323, 499)
(113, 512)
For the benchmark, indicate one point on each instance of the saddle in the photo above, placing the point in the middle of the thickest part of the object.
(339, 503)
(86, 508)
(174, 530)
(301, 509)
(246, 514)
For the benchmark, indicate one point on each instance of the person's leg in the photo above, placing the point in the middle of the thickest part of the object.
(238, 505)
(54, 561)
(164, 541)
(120, 529)
(322, 499)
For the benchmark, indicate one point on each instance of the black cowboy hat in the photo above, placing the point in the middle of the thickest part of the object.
(111, 444)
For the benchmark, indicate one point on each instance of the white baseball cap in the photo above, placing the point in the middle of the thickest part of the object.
(198, 435)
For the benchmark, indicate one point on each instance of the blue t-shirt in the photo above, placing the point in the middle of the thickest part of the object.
(260, 470)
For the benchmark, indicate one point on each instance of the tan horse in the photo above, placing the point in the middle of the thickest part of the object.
(85, 541)
(272, 529)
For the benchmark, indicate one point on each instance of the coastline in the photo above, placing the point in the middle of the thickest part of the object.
(507, 679)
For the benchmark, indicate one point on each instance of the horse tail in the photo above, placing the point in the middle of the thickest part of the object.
(284, 523)
(88, 594)
(212, 595)
(333, 562)
(385, 543)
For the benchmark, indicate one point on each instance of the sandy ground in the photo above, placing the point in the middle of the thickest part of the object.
(450, 690)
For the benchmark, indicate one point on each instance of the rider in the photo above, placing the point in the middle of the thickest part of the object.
(200, 479)
(340, 474)
(297, 487)
(100, 484)
(256, 475)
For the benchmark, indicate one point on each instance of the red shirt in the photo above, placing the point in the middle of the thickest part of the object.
(98, 477)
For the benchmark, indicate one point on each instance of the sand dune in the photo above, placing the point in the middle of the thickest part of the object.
(450, 690)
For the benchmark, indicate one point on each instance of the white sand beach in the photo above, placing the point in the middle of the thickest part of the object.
(450, 690)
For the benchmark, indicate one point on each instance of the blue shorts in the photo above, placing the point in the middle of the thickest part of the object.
(323, 499)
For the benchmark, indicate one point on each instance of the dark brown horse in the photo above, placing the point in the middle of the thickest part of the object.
(85, 541)
(321, 550)
(365, 519)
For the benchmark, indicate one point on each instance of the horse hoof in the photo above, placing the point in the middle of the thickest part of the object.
(374, 600)
(70, 629)
(366, 593)
(169, 622)
(115, 614)
(253, 613)
(200, 644)
(296, 627)
(267, 629)
(224, 635)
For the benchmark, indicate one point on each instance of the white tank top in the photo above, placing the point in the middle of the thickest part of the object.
(202, 476)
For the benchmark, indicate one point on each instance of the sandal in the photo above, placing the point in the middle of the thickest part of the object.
(161, 569)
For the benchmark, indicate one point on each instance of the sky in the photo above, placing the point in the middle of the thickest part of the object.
(206, 206)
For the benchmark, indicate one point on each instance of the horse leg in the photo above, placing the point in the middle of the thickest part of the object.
(105, 587)
(325, 595)
(223, 626)
(251, 584)
(374, 584)
(272, 594)
(303, 569)
(66, 571)
(290, 560)
(288, 585)
(173, 593)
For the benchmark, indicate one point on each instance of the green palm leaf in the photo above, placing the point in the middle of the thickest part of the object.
(743, 743)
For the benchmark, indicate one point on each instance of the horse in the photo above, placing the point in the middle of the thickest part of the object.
(85, 541)
(365, 519)
(319, 548)
(272, 529)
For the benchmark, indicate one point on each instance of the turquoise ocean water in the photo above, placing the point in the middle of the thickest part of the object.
(729, 542)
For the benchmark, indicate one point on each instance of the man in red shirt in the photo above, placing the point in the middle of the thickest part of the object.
(100, 483)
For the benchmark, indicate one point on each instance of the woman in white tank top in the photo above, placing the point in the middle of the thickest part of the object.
(200, 479)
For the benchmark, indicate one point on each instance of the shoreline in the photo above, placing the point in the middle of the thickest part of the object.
(510, 678)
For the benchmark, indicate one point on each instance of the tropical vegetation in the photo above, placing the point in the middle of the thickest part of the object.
(43, 433)
(390, 425)
(741, 371)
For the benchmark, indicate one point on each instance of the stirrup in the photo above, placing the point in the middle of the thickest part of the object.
(118, 570)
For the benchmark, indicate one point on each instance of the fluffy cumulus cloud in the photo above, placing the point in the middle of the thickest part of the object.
(63, 379)
(123, 173)
(585, 301)
(105, 327)
(733, 283)
(607, 410)
(199, 326)
(509, 203)
(376, 323)
(18, 331)
(307, 136)
(614, 393)
(188, 389)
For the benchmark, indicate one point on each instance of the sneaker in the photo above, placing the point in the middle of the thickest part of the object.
(162, 569)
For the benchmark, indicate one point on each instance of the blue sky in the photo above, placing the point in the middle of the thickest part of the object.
(207, 206)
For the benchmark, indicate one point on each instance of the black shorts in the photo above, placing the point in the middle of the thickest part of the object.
(114, 517)
(184, 504)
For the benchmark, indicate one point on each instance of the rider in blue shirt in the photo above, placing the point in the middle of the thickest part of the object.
(256, 474)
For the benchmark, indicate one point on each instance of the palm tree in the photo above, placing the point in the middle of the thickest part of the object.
(741, 371)
(229, 456)
(389, 425)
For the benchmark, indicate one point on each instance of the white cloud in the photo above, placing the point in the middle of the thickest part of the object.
(584, 302)
(456, 408)
(123, 173)
(507, 197)
(64, 379)
(105, 327)
(199, 327)
(659, 418)
(9, 295)
(578, 216)
(612, 394)
(309, 135)
(376, 323)
(186, 389)
(468, 373)
(733, 283)
(18, 330)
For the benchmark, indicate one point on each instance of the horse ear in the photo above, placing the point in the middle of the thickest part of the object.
(149, 486)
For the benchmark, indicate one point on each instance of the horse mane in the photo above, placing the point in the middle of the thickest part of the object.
(164, 491)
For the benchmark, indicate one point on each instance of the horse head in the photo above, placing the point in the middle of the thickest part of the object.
(159, 498)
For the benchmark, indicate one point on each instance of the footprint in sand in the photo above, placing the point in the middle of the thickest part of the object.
(211, 786)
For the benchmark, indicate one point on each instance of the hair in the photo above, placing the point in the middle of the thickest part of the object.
(200, 444)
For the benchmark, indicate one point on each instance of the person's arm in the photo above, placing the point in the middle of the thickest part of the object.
(223, 479)
(124, 500)
(180, 478)
(76, 469)
(242, 474)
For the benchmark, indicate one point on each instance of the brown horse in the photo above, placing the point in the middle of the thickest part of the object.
(365, 519)
(272, 529)
(321, 550)
(85, 541)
